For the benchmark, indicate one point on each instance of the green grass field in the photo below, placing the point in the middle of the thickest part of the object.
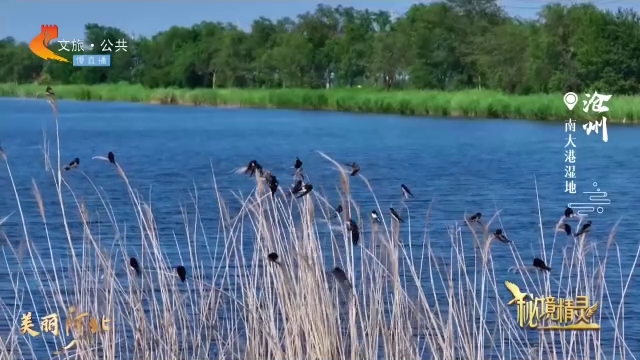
(472, 103)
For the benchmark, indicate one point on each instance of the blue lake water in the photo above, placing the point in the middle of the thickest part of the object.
(453, 167)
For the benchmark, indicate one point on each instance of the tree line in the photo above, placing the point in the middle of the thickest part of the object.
(449, 45)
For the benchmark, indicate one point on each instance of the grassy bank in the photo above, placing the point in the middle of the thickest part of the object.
(480, 104)
(237, 305)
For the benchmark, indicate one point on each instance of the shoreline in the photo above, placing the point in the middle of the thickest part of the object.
(463, 104)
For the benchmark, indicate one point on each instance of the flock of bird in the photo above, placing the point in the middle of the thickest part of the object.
(301, 188)
(133, 262)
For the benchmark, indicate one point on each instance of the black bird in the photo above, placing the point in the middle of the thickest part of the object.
(339, 209)
(297, 187)
(568, 212)
(539, 263)
(182, 272)
(374, 217)
(584, 229)
(475, 217)
(341, 276)
(355, 231)
(72, 165)
(251, 168)
(566, 228)
(306, 189)
(273, 184)
(273, 257)
(395, 215)
(298, 164)
(133, 262)
(405, 191)
(49, 91)
(355, 169)
(112, 158)
(500, 236)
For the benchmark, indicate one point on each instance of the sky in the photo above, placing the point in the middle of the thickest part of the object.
(21, 19)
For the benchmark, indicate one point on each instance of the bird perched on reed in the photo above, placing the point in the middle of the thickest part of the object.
(405, 191)
(395, 215)
(566, 228)
(133, 262)
(374, 217)
(112, 157)
(341, 277)
(475, 218)
(297, 187)
(568, 212)
(72, 165)
(355, 231)
(252, 169)
(540, 264)
(182, 272)
(355, 168)
(272, 180)
(273, 257)
(306, 188)
(499, 235)
(584, 229)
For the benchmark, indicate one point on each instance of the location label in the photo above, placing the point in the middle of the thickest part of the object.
(570, 99)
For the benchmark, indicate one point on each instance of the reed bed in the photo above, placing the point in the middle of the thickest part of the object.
(406, 301)
(470, 104)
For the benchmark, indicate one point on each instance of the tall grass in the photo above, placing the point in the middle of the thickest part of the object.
(472, 103)
(408, 301)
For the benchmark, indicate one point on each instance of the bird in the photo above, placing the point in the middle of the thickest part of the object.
(72, 165)
(568, 212)
(182, 272)
(341, 276)
(355, 169)
(498, 234)
(252, 168)
(355, 231)
(273, 184)
(306, 189)
(405, 191)
(298, 164)
(297, 187)
(112, 158)
(584, 229)
(49, 91)
(374, 217)
(395, 215)
(518, 296)
(540, 264)
(339, 209)
(273, 257)
(475, 217)
(566, 228)
(133, 262)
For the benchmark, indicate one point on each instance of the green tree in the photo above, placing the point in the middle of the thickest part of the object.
(447, 45)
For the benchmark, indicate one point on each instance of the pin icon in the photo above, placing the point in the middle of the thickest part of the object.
(570, 99)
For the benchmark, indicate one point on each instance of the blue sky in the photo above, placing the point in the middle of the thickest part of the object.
(22, 19)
